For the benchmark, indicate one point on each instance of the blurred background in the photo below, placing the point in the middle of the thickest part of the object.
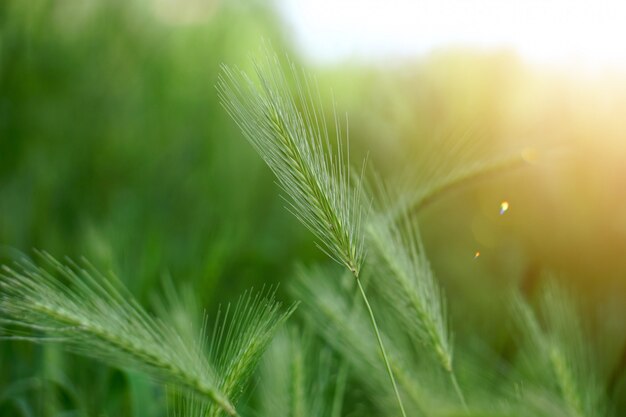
(113, 146)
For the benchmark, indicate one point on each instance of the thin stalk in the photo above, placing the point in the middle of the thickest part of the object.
(297, 394)
(381, 346)
(458, 181)
(342, 377)
(457, 388)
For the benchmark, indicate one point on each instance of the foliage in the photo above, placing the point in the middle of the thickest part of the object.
(113, 145)
(88, 315)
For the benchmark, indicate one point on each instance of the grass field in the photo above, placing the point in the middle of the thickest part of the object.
(462, 254)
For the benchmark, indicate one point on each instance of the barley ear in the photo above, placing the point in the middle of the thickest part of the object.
(291, 134)
(94, 316)
(555, 336)
(410, 288)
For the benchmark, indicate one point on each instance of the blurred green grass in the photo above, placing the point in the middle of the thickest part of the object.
(113, 146)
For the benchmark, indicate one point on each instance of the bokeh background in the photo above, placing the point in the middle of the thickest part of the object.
(113, 146)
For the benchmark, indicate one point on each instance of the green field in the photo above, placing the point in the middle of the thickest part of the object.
(153, 267)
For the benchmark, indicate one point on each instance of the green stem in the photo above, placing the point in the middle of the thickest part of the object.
(457, 388)
(381, 346)
(342, 377)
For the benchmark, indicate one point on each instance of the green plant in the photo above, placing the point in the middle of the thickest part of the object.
(294, 141)
(91, 315)
(291, 136)
(385, 302)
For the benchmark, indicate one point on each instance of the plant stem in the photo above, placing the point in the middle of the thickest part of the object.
(476, 173)
(457, 388)
(381, 346)
(342, 376)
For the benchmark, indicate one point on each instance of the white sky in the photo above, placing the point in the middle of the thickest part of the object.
(589, 34)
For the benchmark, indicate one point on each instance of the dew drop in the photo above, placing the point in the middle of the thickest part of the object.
(504, 207)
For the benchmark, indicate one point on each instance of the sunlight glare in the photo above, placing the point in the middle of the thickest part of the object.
(581, 33)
